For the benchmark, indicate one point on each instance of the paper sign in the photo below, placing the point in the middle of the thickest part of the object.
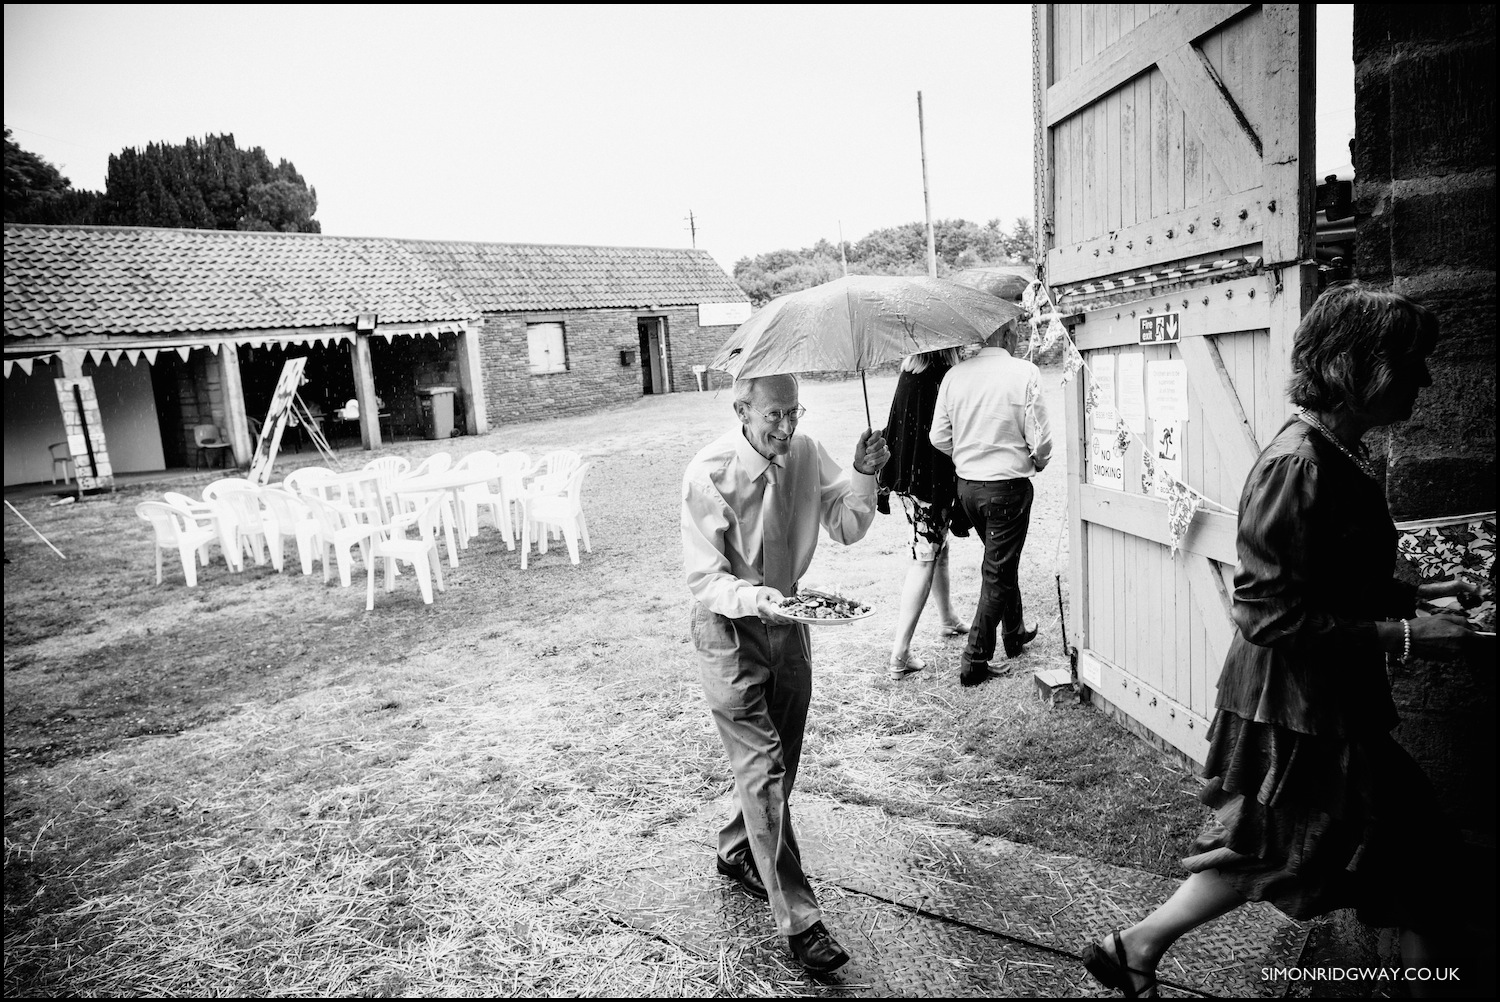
(1166, 447)
(1166, 390)
(1130, 390)
(1106, 467)
(1160, 329)
(722, 314)
(1102, 367)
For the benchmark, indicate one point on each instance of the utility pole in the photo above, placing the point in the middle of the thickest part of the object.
(842, 256)
(926, 202)
(693, 228)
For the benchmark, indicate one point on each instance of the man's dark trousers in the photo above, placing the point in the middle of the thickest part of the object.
(1001, 512)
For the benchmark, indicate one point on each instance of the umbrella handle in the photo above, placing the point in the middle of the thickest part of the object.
(864, 386)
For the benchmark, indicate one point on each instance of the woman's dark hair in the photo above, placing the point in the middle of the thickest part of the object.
(1350, 345)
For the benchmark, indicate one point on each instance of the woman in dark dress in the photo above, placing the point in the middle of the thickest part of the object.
(1316, 806)
(924, 479)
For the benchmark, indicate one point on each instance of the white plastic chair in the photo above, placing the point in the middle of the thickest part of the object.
(564, 510)
(391, 543)
(340, 529)
(175, 529)
(558, 461)
(242, 526)
(287, 515)
(205, 516)
(61, 456)
(477, 496)
(391, 469)
(300, 480)
(438, 462)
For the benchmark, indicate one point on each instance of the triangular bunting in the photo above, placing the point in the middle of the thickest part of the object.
(1055, 332)
(184, 351)
(1092, 399)
(10, 364)
(25, 364)
(1122, 437)
(150, 354)
(114, 355)
(1148, 471)
(134, 356)
(1182, 504)
(96, 355)
(388, 335)
(1072, 361)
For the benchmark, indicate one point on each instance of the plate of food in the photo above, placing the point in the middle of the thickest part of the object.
(821, 608)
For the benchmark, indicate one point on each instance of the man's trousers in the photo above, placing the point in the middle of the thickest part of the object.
(757, 679)
(1001, 513)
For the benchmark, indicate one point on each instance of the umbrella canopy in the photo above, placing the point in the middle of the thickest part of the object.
(860, 321)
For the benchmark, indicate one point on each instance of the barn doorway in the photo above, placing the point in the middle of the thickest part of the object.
(652, 331)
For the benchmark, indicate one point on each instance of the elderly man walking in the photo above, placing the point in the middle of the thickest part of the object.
(752, 503)
(990, 418)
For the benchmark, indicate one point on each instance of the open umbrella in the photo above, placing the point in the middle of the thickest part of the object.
(860, 321)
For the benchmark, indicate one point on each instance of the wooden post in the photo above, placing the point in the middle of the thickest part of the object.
(926, 202)
(238, 426)
(364, 392)
(471, 378)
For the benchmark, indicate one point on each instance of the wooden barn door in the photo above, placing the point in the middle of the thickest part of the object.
(1175, 211)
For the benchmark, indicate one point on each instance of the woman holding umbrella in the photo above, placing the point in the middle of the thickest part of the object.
(1316, 806)
(924, 480)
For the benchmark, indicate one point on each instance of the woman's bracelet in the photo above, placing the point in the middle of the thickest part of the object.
(1406, 641)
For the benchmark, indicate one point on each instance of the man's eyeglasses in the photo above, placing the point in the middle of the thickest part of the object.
(776, 417)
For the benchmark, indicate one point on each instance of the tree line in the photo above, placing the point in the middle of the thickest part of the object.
(204, 184)
(895, 250)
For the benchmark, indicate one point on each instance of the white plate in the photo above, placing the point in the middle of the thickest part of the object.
(830, 621)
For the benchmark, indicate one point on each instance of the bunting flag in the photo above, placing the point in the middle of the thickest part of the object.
(1028, 298)
(134, 355)
(1092, 400)
(1072, 361)
(1182, 504)
(1056, 331)
(184, 351)
(1148, 471)
(150, 354)
(1123, 435)
(114, 355)
(25, 364)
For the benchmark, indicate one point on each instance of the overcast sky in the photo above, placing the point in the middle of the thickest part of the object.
(552, 124)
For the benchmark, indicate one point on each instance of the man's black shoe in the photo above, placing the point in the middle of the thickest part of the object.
(745, 874)
(977, 674)
(816, 950)
(1013, 645)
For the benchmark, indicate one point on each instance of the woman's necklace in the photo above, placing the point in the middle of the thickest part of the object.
(1361, 462)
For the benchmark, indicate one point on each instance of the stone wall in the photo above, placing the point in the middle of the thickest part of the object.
(1424, 190)
(595, 377)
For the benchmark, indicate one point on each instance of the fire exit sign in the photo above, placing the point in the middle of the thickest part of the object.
(1160, 330)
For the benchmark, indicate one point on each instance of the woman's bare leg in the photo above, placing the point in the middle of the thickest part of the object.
(940, 592)
(1202, 897)
(919, 580)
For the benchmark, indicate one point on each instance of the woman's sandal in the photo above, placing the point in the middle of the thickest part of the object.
(953, 630)
(1115, 972)
(902, 667)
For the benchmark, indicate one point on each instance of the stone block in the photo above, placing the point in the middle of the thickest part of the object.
(1439, 223)
(1453, 416)
(1425, 487)
(1371, 154)
(1442, 111)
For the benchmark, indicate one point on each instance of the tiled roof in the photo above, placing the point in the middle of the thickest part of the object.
(72, 281)
(504, 277)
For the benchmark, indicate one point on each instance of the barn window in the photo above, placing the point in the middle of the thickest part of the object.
(546, 348)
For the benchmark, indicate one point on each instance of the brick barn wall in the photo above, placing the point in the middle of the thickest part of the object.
(595, 377)
(1424, 165)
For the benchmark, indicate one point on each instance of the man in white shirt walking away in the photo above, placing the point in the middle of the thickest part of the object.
(991, 419)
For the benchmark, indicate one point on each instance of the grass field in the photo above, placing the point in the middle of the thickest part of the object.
(254, 787)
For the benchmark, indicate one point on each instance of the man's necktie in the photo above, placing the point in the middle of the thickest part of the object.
(776, 555)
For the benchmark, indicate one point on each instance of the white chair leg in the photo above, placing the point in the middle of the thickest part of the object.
(424, 579)
(189, 567)
(437, 567)
(305, 550)
(390, 573)
(570, 536)
(346, 560)
(158, 560)
(583, 530)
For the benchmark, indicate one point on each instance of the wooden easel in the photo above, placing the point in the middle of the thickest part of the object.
(304, 415)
